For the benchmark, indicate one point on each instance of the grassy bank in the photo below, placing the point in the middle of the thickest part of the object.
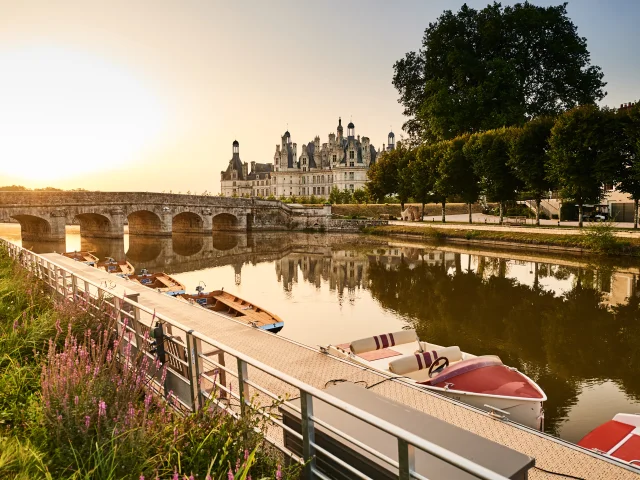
(69, 411)
(598, 239)
(373, 210)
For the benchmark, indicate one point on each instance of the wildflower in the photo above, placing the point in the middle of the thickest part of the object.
(141, 477)
(279, 473)
(175, 474)
(246, 454)
(87, 421)
(76, 400)
(102, 408)
(229, 475)
(147, 400)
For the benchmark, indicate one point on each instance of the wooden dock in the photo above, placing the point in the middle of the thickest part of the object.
(321, 370)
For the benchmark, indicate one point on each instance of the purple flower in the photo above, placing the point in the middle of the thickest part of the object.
(76, 400)
(279, 473)
(175, 474)
(229, 475)
(102, 408)
(87, 421)
(141, 477)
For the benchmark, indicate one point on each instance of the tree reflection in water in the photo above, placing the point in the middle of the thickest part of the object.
(562, 342)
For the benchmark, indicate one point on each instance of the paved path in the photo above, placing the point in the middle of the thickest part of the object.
(489, 222)
(317, 369)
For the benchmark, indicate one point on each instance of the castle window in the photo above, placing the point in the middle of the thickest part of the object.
(350, 175)
(351, 164)
(322, 190)
(335, 157)
(351, 187)
(351, 154)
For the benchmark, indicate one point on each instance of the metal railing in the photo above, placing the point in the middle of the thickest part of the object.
(193, 377)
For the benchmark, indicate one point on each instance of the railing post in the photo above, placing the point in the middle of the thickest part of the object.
(308, 434)
(74, 286)
(243, 388)
(194, 370)
(406, 459)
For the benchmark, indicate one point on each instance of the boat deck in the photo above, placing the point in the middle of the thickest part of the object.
(321, 370)
(157, 280)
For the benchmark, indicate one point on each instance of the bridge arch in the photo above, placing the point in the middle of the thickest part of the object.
(187, 245)
(34, 228)
(187, 222)
(225, 221)
(145, 222)
(225, 241)
(95, 225)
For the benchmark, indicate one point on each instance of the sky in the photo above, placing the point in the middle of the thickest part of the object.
(149, 95)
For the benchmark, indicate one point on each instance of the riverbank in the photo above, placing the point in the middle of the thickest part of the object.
(68, 409)
(598, 239)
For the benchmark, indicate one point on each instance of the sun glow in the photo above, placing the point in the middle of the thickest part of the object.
(66, 113)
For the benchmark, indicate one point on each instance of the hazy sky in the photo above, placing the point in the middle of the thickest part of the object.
(149, 95)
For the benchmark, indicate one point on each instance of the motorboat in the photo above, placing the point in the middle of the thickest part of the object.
(482, 381)
(158, 281)
(235, 307)
(85, 257)
(618, 438)
(122, 268)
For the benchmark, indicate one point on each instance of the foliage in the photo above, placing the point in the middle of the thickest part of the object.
(529, 156)
(481, 70)
(456, 170)
(629, 175)
(489, 154)
(600, 238)
(583, 153)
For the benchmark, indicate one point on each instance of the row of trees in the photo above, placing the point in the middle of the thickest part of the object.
(575, 153)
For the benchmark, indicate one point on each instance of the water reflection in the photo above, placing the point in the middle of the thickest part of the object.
(570, 324)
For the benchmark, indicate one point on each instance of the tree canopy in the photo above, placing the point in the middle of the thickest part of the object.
(499, 66)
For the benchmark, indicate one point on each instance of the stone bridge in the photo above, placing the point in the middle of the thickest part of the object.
(43, 215)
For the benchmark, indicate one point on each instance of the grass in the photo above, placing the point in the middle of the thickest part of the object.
(598, 239)
(372, 210)
(68, 410)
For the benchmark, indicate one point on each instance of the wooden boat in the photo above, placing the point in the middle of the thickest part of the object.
(484, 382)
(122, 268)
(84, 257)
(618, 438)
(235, 307)
(159, 281)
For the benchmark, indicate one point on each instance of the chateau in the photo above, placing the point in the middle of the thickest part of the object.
(342, 163)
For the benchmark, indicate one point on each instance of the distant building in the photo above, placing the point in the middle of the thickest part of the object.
(236, 180)
(342, 162)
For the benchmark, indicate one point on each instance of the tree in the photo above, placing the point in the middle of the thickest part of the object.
(529, 155)
(382, 177)
(360, 196)
(630, 146)
(404, 178)
(421, 176)
(456, 170)
(335, 197)
(583, 154)
(480, 70)
(489, 153)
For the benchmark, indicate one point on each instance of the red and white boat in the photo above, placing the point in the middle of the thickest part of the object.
(618, 438)
(484, 382)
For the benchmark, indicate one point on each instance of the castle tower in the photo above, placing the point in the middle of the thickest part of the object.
(339, 129)
(350, 131)
(391, 141)
(236, 148)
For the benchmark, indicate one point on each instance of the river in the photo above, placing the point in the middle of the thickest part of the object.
(571, 323)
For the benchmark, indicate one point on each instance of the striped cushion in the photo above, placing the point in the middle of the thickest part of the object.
(421, 360)
(383, 341)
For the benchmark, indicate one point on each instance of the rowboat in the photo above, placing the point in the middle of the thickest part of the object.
(482, 381)
(84, 257)
(158, 281)
(122, 268)
(618, 438)
(235, 307)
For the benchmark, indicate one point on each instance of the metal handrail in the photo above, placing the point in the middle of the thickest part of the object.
(407, 441)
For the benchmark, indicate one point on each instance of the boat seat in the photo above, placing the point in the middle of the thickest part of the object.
(386, 340)
(415, 362)
(452, 355)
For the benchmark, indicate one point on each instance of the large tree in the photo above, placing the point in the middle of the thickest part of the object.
(389, 175)
(584, 154)
(629, 124)
(529, 155)
(499, 66)
(489, 154)
(422, 176)
(456, 170)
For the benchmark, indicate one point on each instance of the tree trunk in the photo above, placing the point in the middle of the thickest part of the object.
(470, 217)
(444, 214)
(401, 206)
(536, 281)
(538, 211)
(635, 213)
(580, 215)
(501, 212)
(422, 217)
(458, 262)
